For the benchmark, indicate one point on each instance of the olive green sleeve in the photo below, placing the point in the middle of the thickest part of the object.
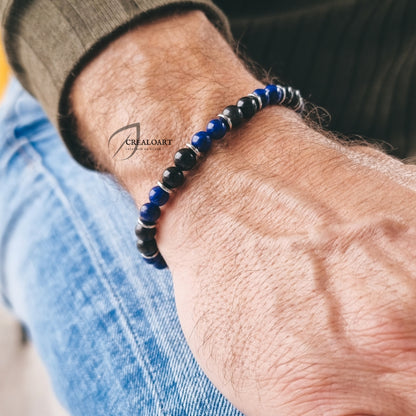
(48, 42)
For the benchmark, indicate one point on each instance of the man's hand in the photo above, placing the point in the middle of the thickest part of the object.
(293, 256)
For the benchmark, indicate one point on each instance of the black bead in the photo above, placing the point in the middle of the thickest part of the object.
(173, 177)
(234, 114)
(248, 106)
(148, 248)
(296, 99)
(289, 96)
(145, 234)
(185, 159)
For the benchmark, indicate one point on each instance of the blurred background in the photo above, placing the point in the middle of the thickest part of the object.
(25, 388)
(4, 70)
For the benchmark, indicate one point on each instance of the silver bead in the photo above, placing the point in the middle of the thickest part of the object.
(139, 221)
(227, 120)
(150, 257)
(283, 94)
(290, 89)
(165, 188)
(299, 105)
(193, 148)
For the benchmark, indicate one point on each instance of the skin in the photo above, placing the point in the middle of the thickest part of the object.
(292, 255)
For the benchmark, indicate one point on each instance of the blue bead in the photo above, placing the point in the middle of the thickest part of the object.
(216, 129)
(158, 262)
(158, 196)
(263, 94)
(275, 93)
(279, 91)
(149, 212)
(201, 141)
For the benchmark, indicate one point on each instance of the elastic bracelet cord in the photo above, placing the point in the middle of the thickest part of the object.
(185, 159)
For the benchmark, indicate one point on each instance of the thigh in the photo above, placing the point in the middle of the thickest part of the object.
(103, 320)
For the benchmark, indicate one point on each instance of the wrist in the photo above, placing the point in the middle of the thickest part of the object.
(170, 76)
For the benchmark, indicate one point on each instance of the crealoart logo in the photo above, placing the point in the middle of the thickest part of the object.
(126, 141)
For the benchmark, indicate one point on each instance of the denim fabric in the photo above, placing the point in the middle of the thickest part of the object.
(103, 321)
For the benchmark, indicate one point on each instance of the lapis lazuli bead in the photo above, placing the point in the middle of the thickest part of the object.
(275, 93)
(158, 262)
(216, 129)
(272, 90)
(149, 212)
(263, 94)
(201, 141)
(158, 196)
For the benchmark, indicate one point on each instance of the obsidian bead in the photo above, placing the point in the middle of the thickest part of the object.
(234, 114)
(201, 141)
(158, 196)
(149, 212)
(145, 234)
(296, 99)
(216, 128)
(248, 106)
(289, 96)
(185, 159)
(158, 262)
(173, 177)
(147, 248)
(264, 96)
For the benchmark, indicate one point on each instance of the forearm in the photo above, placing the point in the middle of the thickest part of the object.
(172, 76)
(264, 221)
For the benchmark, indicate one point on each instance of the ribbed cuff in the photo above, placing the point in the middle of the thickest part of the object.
(48, 42)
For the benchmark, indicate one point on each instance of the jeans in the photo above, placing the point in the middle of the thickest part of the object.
(103, 321)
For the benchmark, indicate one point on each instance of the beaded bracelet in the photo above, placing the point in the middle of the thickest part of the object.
(185, 159)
